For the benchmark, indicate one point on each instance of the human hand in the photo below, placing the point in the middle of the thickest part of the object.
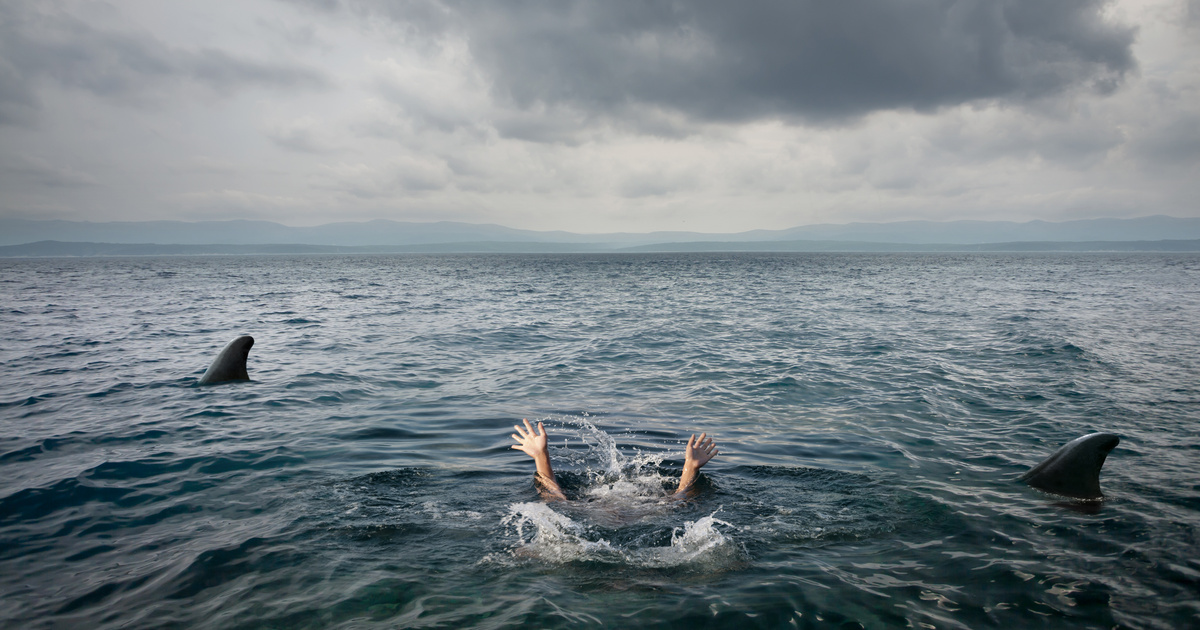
(697, 454)
(532, 442)
(699, 451)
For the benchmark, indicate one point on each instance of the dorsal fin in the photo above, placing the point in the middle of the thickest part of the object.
(1074, 470)
(230, 365)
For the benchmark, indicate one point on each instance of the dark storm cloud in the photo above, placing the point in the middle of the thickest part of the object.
(40, 42)
(811, 60)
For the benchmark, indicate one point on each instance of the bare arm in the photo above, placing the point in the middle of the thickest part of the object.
(533, 443)
(698, 452)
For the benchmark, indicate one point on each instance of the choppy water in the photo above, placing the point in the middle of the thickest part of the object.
(873, 412)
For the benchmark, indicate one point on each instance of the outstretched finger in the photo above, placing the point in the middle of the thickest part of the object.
(541, 429)
(692, 441)
(520, 432)
(529, 427)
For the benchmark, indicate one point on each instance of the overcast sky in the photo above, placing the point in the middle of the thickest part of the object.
(600, 115)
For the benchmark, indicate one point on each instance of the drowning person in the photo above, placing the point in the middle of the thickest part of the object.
(533, 443)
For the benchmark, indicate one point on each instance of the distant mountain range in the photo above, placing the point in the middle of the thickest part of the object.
(42, 249)
(19, 237)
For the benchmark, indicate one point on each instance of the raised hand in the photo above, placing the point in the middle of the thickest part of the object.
(533, 444)
(699, 451)
(696, 455)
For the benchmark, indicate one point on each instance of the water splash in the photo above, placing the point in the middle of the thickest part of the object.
(699, 543)
(597, 453)
(620, 512)
(550, 536)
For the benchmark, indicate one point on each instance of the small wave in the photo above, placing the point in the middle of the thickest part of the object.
(149, 435)
(308, 378)
(410, 384)
(32, 504)
(115, 389)
(53, 372)
(400, 477)
(785, 382)
(382, 433)
(28, 453)
(30, 400)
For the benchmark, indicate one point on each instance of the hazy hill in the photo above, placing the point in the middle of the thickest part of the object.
(396, 233)
(1141, 229)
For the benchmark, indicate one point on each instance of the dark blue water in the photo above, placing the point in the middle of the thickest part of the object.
(873, 412)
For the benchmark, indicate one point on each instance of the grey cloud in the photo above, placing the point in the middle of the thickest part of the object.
(40, 172)
(402, 177)
(47, 42)
(1078, 141)
(298, 136)
(560, 125)
(18, 104)
(807, 60)
(441, 114)
(656, 183)
(813, 60)
(1176, 142)
(223, 71)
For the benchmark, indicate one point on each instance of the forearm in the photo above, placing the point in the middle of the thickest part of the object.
(545, 475)
(690, 473)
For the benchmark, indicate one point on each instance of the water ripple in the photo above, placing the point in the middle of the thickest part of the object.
(873, 411)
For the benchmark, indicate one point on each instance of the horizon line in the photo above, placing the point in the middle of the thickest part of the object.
(577, 233)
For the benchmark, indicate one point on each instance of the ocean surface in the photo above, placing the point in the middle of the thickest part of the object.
(872, 411)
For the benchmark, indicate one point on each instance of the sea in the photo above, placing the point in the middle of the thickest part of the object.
(873, 414)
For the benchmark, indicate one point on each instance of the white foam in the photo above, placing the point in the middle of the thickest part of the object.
(437, 511)
(550, 536)
(699, 542)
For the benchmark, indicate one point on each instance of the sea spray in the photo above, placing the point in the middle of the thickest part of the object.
(698, 542)
(549, 536)
(597, 455)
